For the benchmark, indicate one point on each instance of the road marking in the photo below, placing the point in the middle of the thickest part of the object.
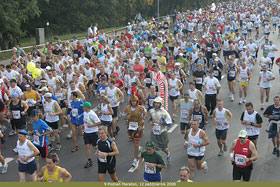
(7, 160)
(172, 128)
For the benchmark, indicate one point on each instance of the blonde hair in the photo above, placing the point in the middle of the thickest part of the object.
(105, 99)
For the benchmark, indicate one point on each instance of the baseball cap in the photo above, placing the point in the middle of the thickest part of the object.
(86, 104)
(74, 37)
(24, 132)
(116, 74)
(177, 64)
(27, 86)
(214, 54)
(48, 68)
(15, 95)
(43, 81)
(150, 145)
(181, 54)
(131, 71)
(265, 52)
(211, 71)
(34, 113)
(242, 134)
(44, 89)
(48, 95)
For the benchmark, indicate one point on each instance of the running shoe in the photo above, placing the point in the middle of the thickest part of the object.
(274, 150)
(225, 147)
(134, 163)
(88, 164)
(205, 169)
(221, 153)
(267, 99)
(12, 132)
(168, 158)
(57, 147)
(15, 150)
(4, 169)
(69, 136)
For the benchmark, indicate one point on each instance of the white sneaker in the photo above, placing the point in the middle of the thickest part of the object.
(168, 158)
(65, 125)
(240, 101)
(205, 169)
(11, 133)
(245, 100)
(69, 135)
(140, 151)
(15, 150)
(232, 97)
(134, 163)
(4, 169)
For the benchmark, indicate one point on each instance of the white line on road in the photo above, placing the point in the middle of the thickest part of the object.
(7, 160)
(172, 128)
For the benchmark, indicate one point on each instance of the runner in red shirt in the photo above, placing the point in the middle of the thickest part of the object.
(139, 69)
(242, 153)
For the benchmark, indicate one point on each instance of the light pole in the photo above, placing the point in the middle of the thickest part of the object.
(48, 32)
(158, 9)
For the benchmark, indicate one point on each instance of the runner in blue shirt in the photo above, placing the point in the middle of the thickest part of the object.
(77, 118)
(40, 131)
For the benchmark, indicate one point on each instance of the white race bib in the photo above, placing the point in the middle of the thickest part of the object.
(156, 129)
(149, 170)
(240, 160)
(133, 126)
(184, 114)
(104, 160)
(198, 80)
(16, 114)
(75, 112)
(198, 117)
(36, 139)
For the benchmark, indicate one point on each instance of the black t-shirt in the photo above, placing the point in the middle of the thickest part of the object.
(199, 74)
(220, 65)
(56, 52)
(272, 110)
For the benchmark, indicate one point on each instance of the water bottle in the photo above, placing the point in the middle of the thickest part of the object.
(199, 147)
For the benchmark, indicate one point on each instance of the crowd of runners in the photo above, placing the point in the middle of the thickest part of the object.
(84, 87)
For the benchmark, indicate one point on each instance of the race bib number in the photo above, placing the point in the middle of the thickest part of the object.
(240, 160)
(104, 160)
(148, 80)
(48, 110)
(59, 96)
(36, 140)
(149, 170)
(216, 73)
(16, 114)
(133, 126)
(220, 125)
(102, 92)
(198, 80)
(111, 97)
(156, 129)
(232, 73)
(74, 112)
(184, 114)
(151, 102)
(198, 117)
(30, 102)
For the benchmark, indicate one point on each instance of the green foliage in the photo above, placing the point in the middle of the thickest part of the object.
(20, 18)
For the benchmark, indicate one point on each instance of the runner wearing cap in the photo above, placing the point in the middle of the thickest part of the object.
(17, 112)
(153, 163)
(160, 120)
(40, 131)
(196, 140)
(217, 67)
(185, 105)
(242, 153)
(106, 152)
(184, 63)
(53, 173)
(26, 157)
(194, 93)
(265, 78)
(265, 60)
(52, 111)
(221, 119)
(174, 87)
(251, 121)
(91, 123)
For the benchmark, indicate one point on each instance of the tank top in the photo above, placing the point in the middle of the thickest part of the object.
(113, 96)
(243, 76)
(231, 72)
(119, 70)
(173, 86)
(49, 108)
(105, 109)
(69, 77)
(199, 116)
(69, 96)
(52, 82)
(221, 118)
(193, 94)
(242, 151)
(81, 79)
(195, 140)
(105, 147)
(251, 118)
(151, 101)
(89, 74)
(53, 177)
(60, 96)
(134, 123)
(30, 98)
(24, 151)
(16, 111)
(130, 81)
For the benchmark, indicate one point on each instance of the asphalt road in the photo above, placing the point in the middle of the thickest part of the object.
(220, 168)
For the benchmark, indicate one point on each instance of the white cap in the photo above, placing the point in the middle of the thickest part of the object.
(181, 54)
(177, 64)
(215, 54)
(48, 68)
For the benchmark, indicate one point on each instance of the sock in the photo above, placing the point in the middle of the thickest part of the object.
(134, 160)
(168, 153)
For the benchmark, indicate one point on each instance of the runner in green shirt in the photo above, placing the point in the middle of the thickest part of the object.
(153, 163)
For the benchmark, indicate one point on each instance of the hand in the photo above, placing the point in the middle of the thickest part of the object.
(206, 122)
(186, 144)
(151, 165)
(270, 116)
(227, 122)
(232, 159)
(177, 89)
(116, 102)
(247, 159)
(128, 117)
(38, 134)
(214, 122)
(24, 159)
(258, 83)
(96, 153)
(195, 145)
(102, 155)
(22, 113)
(17, 160)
